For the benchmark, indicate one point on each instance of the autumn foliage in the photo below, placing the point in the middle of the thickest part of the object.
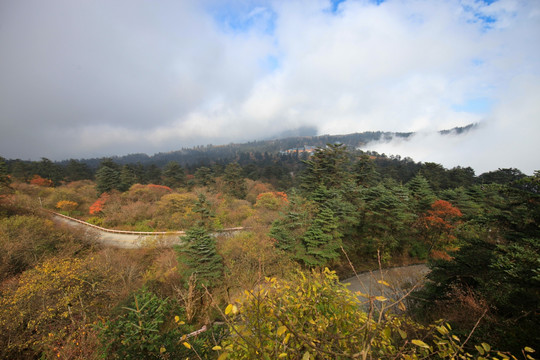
(39, 181)
(97, 206)
(439, 222)
(271, 200)
(66, 205)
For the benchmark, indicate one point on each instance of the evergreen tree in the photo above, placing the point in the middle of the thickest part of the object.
(107, 177)
(204, 176)
(76, 170)
(4, 175)
(322, 240)
(289, 228)
(365, 173)
(49, 170)
(234, 183)
(5, 180)
(203, 208)
(174, 175)
(152, 174)
(327, 167)
(199, 255)
(435, 174)
(128, 177)
(385, 219)
(422, 193)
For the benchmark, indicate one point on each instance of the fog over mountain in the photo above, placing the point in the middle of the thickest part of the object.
(95, 78)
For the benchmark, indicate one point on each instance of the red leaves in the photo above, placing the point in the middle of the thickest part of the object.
(97, 207)
(39, 181)
(440, 220)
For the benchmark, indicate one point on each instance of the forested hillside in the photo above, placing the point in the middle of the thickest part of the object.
(271, 291)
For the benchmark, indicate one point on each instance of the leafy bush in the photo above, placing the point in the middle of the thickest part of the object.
(142, 331)
(315, 317)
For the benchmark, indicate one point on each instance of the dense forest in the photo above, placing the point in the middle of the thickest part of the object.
(311, 216)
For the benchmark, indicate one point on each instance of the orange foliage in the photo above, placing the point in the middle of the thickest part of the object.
(442, 215)
(39, 181)
(439, 222)
(97, 207)
(148, 193)
(271, 200)
(440, 255)
(276, 194)
(66, 205)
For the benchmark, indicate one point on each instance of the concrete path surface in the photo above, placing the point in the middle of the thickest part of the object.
(399, 279)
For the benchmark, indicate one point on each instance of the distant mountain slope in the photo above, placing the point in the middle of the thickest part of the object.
(223, 153)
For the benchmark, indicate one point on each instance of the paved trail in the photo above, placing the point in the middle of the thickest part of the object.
(127, 241)
(400, 279)
(132, 239)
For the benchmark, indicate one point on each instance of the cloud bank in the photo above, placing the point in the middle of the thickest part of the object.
(95, 78)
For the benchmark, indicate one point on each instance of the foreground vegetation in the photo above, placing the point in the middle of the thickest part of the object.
(267, 292)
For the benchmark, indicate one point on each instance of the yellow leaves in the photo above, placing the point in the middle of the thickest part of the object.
(223, 356)
(442, 330)
(177, 320)
(217, 348)
(420, 343)
(281, 330)
(231, 308)
(162, 350)
(282, 355)
(287, 337)
(527, 349)
(186, 344)
(380, 298)
(382, 282)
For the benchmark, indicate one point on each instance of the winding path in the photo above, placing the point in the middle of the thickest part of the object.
(130, 239)
(399, 281)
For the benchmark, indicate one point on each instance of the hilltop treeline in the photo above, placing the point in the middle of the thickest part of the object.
(265, 293)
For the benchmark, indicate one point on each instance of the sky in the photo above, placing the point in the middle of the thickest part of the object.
(93, 78)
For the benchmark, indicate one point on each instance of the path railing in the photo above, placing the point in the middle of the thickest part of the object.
(127, 232)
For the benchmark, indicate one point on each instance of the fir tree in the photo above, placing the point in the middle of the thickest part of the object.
(174, 175)
(322, 240)
(234, 182)
(107, 179)
(327, 167)
(199, 255)
(421, 192)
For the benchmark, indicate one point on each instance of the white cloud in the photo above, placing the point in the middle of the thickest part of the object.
(170, 74)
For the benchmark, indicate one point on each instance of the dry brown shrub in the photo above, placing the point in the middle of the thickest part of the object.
(234, 212)
(249, 257)
(440, 255)
(463, 306)
(254, 188)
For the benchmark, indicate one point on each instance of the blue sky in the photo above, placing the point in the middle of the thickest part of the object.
(100, 78)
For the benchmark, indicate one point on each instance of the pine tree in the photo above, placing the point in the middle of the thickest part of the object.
(107, 177)
(288, 230)
(203, 207)
(322, 240)
(234, 182)
(76, 170)
(199, 255)
(174, 175)
(422, 193)
(365, 173)
(204, 176)
(327, 167)
(127, 178)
